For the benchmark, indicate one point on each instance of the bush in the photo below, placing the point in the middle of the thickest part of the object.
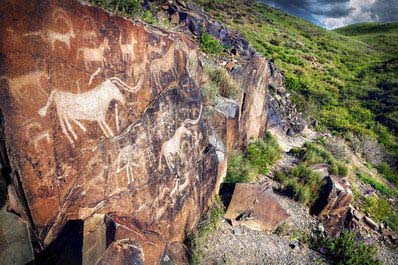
(209, 44)
(207, 225)
(301, 183)
(263, 153)
(221, 79)
(258, 157)
(238, 169)
(347, 248)
(315, 154)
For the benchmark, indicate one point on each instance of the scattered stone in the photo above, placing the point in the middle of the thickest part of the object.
(332, 205)
(123, 252)
(256, 207)
(371, 223)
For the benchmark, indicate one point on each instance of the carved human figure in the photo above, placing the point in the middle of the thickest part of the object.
(90, 106)
(52, 36)
(172, 146)
(126, 161)
(94, 55)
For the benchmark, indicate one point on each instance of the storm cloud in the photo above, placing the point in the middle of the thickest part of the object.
(337, 13)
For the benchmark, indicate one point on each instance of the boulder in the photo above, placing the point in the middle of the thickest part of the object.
(103, 115)
(332, 204)
(224, 119)
(256, 207)
(123, 252)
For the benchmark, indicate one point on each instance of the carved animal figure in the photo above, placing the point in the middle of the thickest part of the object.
(96, 55)
(173, 145)
(17, 84)
(162, 65)
(90, 106)
(52, 36)
(127, 49)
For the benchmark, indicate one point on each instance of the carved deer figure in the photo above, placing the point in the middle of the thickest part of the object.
(90, 106)
(91, 55)
(127, 49)
(52, 36)
(16, 84)
(173, 145)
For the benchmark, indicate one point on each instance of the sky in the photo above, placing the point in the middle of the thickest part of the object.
(337, 13)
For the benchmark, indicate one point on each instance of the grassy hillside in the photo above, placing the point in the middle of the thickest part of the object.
(332, 77)
(381, 36)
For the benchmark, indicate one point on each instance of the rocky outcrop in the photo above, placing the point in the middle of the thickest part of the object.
(256, 207)
(332, 204)
(103, 116)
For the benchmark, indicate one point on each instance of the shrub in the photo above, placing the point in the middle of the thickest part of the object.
(347, 248)
(220, 78)
(263, 153)
(209, 44)
(209, 93)
(301, 183)
(258, 157)
(315, 153)
(207, 225)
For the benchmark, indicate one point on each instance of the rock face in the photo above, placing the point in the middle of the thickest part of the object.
(103, 116)
(256, 207)
(332, 205)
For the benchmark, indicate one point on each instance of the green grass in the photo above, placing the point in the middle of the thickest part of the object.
(348, 83)
(129, 8)
(301, 183)
(209, 44)
(347, 249)
(259, 156)
(221, 80)
(315, 153)
(381, 187)
(208, 224)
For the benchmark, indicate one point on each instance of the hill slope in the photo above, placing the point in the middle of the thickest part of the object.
(331, 76)
(382, 36)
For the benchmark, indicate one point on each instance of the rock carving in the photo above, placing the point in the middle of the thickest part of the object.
(173, 145)
(90, 106)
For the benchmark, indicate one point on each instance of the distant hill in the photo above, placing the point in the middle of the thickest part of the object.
(383, 36)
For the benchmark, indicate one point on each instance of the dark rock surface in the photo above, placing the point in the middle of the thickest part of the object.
(103, 115)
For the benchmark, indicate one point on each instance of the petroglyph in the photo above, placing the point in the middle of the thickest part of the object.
(52, 36)
(126, 161)
(36, 135)
(162, 65)
(94, 55)
(172, 146)
(127, 49)
(90, 106)
(32, 79)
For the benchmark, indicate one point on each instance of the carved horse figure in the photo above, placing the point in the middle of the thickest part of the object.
(173, 145)
(90, 106)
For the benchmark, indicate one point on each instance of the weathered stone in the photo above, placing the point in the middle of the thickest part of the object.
(332, 205)
(322, 169)
(15, 246)
(94, 239)
(103, 115)
(176, 253)
(225, 121)
(253, 78)
(256, 207)
(230, 66)
(123, 252)
(175, 18)
(371, 223)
